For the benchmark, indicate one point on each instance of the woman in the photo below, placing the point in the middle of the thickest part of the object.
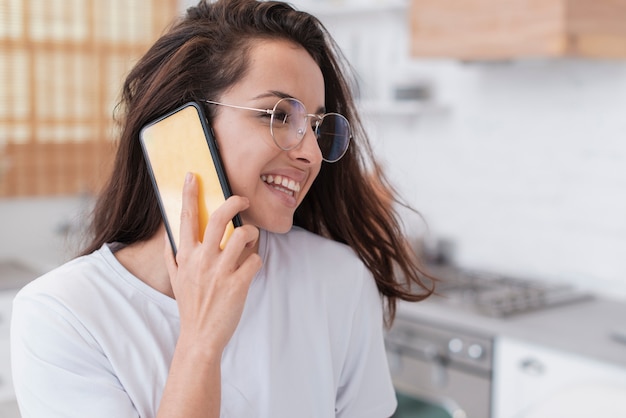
(287, 320)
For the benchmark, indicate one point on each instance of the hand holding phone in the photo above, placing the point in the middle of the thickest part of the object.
(174, 145)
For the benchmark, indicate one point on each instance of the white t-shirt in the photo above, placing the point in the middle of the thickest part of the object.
(91, 340)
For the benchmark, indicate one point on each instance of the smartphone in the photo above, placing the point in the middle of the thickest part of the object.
(173, 145)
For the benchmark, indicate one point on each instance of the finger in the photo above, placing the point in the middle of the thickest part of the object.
(249, 268)
(243, 237)
(189, 213)
(242, 277)
(219, 219)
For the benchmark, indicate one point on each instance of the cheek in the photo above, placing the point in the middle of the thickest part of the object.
(242, 142)
(235, 169)
(242, 164)
(227, 142)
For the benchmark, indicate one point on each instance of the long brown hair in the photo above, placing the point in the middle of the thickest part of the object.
(200, 57)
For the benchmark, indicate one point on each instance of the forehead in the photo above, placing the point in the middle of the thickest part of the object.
(280, 65)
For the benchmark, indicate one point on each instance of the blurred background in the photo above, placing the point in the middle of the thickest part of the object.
(502, 122)
(62, 68)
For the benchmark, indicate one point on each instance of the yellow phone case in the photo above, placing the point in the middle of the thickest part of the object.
(178, 143)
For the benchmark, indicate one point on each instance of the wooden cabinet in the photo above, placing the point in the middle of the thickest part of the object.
(508, 29)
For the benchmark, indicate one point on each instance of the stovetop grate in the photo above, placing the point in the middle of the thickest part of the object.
(500, 295)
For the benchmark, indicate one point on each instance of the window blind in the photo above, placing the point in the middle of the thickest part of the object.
(62, 64)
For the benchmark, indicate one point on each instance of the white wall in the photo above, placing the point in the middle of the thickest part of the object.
(527, 170)
(523, 166)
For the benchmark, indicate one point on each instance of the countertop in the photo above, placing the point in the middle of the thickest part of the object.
(594, 328)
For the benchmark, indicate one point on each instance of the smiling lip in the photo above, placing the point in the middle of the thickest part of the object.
(282, 183)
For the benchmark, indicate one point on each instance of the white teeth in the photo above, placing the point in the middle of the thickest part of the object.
(282, 183)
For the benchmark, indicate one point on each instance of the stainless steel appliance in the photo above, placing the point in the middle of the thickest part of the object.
(499, 295)
(434, 364)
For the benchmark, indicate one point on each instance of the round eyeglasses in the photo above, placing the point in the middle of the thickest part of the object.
(288, 124)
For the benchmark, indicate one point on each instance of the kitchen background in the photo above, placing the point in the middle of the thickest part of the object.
(521, 162)
(518, 163)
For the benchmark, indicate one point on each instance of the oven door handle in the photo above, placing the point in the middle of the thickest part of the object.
(419, 349)
(425, 352)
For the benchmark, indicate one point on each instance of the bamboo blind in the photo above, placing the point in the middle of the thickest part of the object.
(62, 64)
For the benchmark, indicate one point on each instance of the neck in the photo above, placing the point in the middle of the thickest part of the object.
(145, 260)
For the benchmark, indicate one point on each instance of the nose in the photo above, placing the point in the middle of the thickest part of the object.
(308, 150)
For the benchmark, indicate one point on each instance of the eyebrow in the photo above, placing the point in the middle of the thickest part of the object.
(280, 94)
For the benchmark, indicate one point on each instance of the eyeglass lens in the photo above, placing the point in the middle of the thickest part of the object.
(289, 123)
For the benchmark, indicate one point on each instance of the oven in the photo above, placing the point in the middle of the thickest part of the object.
(439, 371)
(448, 370)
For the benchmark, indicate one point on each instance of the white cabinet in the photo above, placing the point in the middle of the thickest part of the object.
(13, 276)
(537, 382)
(6, 385)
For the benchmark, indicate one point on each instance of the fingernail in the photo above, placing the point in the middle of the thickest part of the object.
(188, 177)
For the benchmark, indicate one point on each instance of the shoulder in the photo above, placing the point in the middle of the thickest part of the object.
(85, 287)
(65, 279)
(53, 310)
(67, 297)
(77, 325)
(77, 279)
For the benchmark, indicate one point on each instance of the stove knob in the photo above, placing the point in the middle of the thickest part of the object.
(475, 351)
(455, 345)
